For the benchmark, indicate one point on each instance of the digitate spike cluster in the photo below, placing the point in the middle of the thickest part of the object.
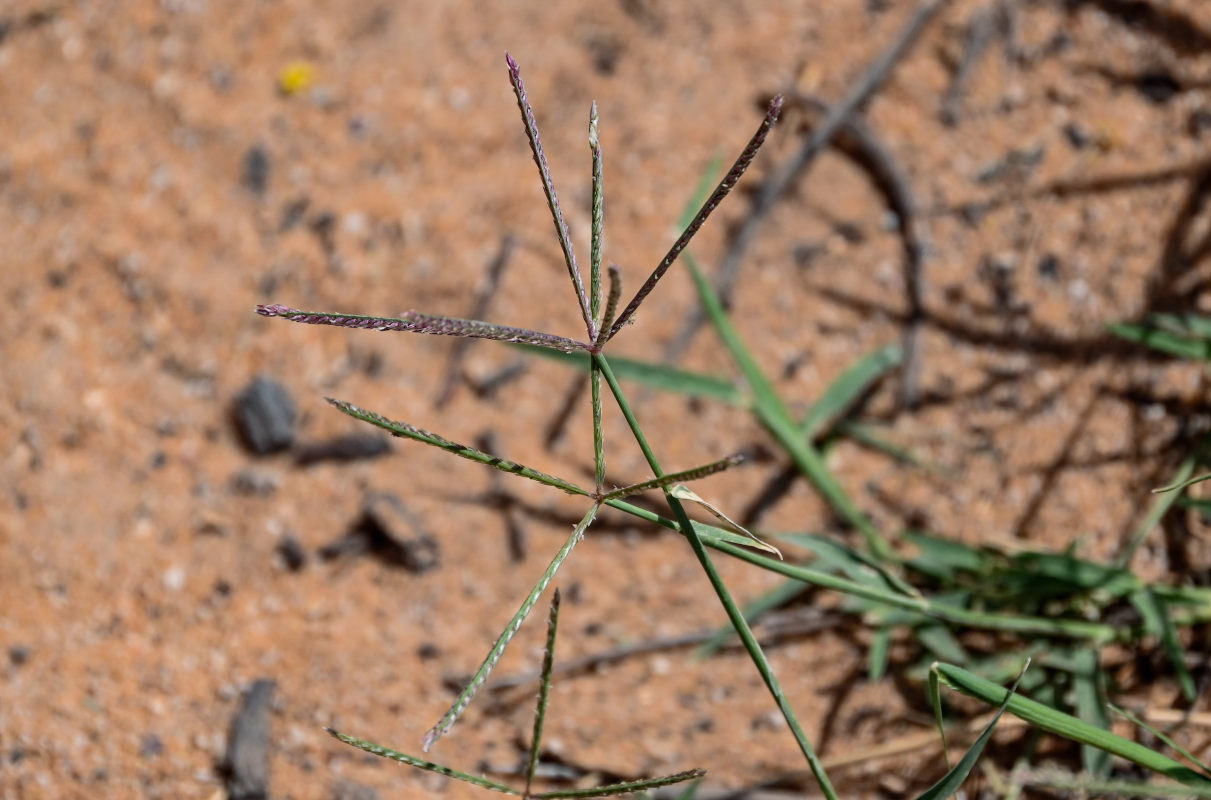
(602, 323)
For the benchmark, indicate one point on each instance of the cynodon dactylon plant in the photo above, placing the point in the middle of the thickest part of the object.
(602, 322)
(876, 581)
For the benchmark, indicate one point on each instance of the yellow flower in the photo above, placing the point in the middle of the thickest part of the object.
(296, 77)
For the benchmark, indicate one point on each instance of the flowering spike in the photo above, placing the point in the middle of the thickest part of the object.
(611, 307)
(416, 322)
(596, 231)
(721, 191)
(548, 186)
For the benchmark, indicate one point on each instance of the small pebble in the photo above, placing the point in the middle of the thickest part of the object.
(174, 578)
(265, 414)
(1158, 85)
(251, 482)
(247, 759)
(150, 746)
(1077, 135)
(256, 170)
(390, 532)
(1049, 267)
(18, 655)
(1199, 122)
(293, 556)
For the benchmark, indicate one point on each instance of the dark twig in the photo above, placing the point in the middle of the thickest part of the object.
(980, 32)
(499, 497)
(559, 422)
(496, 269)
(487, 386)
(862, 90)
(788, 627)
(861, 144)
(721, 191)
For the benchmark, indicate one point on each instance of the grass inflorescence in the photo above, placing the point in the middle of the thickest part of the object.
(1055, 608)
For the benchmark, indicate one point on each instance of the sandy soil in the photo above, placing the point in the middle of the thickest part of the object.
(156, 183)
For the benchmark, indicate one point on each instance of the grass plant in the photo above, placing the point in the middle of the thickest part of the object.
(1057, 608)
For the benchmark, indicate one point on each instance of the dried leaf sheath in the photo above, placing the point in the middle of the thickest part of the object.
(416, 322)
(407, 431)
(721, 191)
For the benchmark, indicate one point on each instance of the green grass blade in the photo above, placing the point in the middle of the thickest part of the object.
(1090, 703)
(1194, 324)
(1159, 622)
(935, 702)
(477, 681)
(1095, 632)
(1125, 714)
(834, 555)
(940, 558)
(420, 763)
(941, 642)
(544, 690)
(873, 436)
(1183, 484)
(878, 654)
(1048, 719)
(1179, 345)
(773, 414)
(1160, 507)
(953, 779)
(626, 787)
(848, 388)
(404, 430)
(1037, 575)
(738, 547)
(735, 616)
(669, 379)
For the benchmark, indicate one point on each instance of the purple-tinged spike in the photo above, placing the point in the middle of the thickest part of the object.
(548, 187)
(721, 191)
(611, 306)
(416, 322)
